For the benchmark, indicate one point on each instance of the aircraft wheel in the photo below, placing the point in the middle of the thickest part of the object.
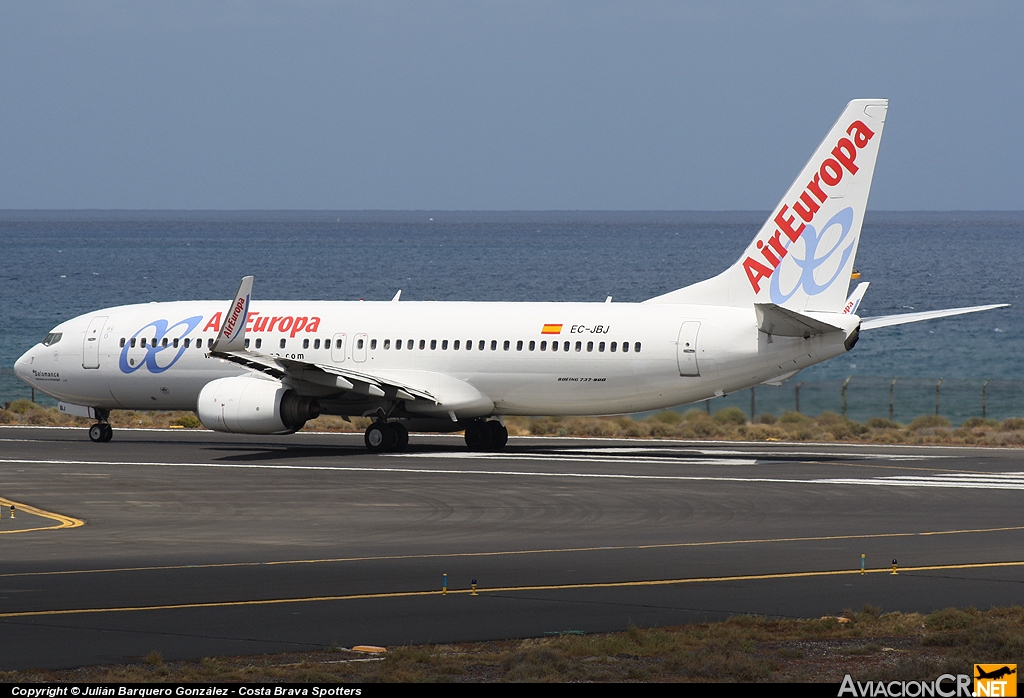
(108, 432)
(402, 434)
(380, 437)
(96, 433)
(478, 436)
(499, 435)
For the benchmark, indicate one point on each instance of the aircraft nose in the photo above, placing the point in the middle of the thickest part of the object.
(23, 366)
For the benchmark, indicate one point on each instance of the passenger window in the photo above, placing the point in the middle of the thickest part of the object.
(469, 345)
(387, 343)
(153, 343)
(566, 346)
(533, 345)
(579, 346)
(494, 345)
(316, 343)
(373, 344)
(398, 344)
(409, 344)
(444, 344)
(625, 347)
(614, 344)
(305, 344)
(188, 342)
(284, 342)
(507, 345)
(554, 346)
(590, 346)
(163, 342)
(143, 343)
(636, 347)
(433, 344)
(423, 344)
(132, 343)
(519, 345)
(544, 345)
(176, 340)
(600, 347)
(482, 344)
(455, 345)
(359, 343)
(259, 342)
(122, 341)
(246, 342)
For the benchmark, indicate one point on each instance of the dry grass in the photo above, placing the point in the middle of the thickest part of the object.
(871, 646)
(728, 424)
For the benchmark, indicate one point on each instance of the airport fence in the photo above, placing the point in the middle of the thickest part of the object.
(899, 399)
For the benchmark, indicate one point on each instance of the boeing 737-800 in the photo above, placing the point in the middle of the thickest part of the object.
(267, 367)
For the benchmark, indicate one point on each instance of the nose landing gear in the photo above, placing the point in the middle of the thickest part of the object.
(101, 432)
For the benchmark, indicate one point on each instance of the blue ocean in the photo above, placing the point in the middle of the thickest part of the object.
(58, 264)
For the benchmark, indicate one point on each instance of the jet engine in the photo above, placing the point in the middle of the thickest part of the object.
(252, 405)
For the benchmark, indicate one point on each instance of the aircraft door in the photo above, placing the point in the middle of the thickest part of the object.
(338, 348)
(686, 350)
(91, 347)
(359, 348)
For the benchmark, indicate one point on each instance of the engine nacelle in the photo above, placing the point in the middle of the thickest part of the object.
(250, 405)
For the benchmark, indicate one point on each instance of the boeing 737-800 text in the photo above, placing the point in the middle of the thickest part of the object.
(267, 367)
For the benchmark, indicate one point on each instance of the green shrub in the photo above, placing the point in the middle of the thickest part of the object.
(23, 406)
(668, 417)
(189, 421)
(929, 421)
(790, 417)
(1013, 424)
(730, 415)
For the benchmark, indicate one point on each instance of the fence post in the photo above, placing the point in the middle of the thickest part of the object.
(797, 392)
(707, 403)
(937, 385)
(984, 387)
(752, 405)
(845, 383)
(892, 390)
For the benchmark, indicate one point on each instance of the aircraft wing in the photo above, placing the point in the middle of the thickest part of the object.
(343, 379)
(872, 323)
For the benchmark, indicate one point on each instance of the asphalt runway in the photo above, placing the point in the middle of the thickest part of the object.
(196, 544)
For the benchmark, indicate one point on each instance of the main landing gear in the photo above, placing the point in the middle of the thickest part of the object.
(101, 432)
(486, 435)
(381, 437)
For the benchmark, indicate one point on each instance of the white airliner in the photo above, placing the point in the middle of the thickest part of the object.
(266, 367)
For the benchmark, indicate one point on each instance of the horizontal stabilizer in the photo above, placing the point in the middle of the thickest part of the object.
(872, 323)
(776, 320)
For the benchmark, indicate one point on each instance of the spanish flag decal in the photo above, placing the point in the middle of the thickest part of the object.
(551, 329)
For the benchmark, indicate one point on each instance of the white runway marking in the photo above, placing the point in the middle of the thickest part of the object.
(966, 481)
(1003, 481)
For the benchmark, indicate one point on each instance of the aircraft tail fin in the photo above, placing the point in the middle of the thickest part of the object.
(232, 331)
(802, 258)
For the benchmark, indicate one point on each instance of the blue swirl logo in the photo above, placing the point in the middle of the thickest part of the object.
(158, 358)
(812, 260)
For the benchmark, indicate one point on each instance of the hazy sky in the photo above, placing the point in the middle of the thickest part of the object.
(499, 105)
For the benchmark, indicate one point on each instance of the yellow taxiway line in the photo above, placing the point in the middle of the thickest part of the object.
(502, 553)
(495, 590)
(62, 521)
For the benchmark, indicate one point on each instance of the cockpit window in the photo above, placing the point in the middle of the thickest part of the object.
(52, 339)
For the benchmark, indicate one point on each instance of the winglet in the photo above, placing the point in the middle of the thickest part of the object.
(853, 302)
(232, 331)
